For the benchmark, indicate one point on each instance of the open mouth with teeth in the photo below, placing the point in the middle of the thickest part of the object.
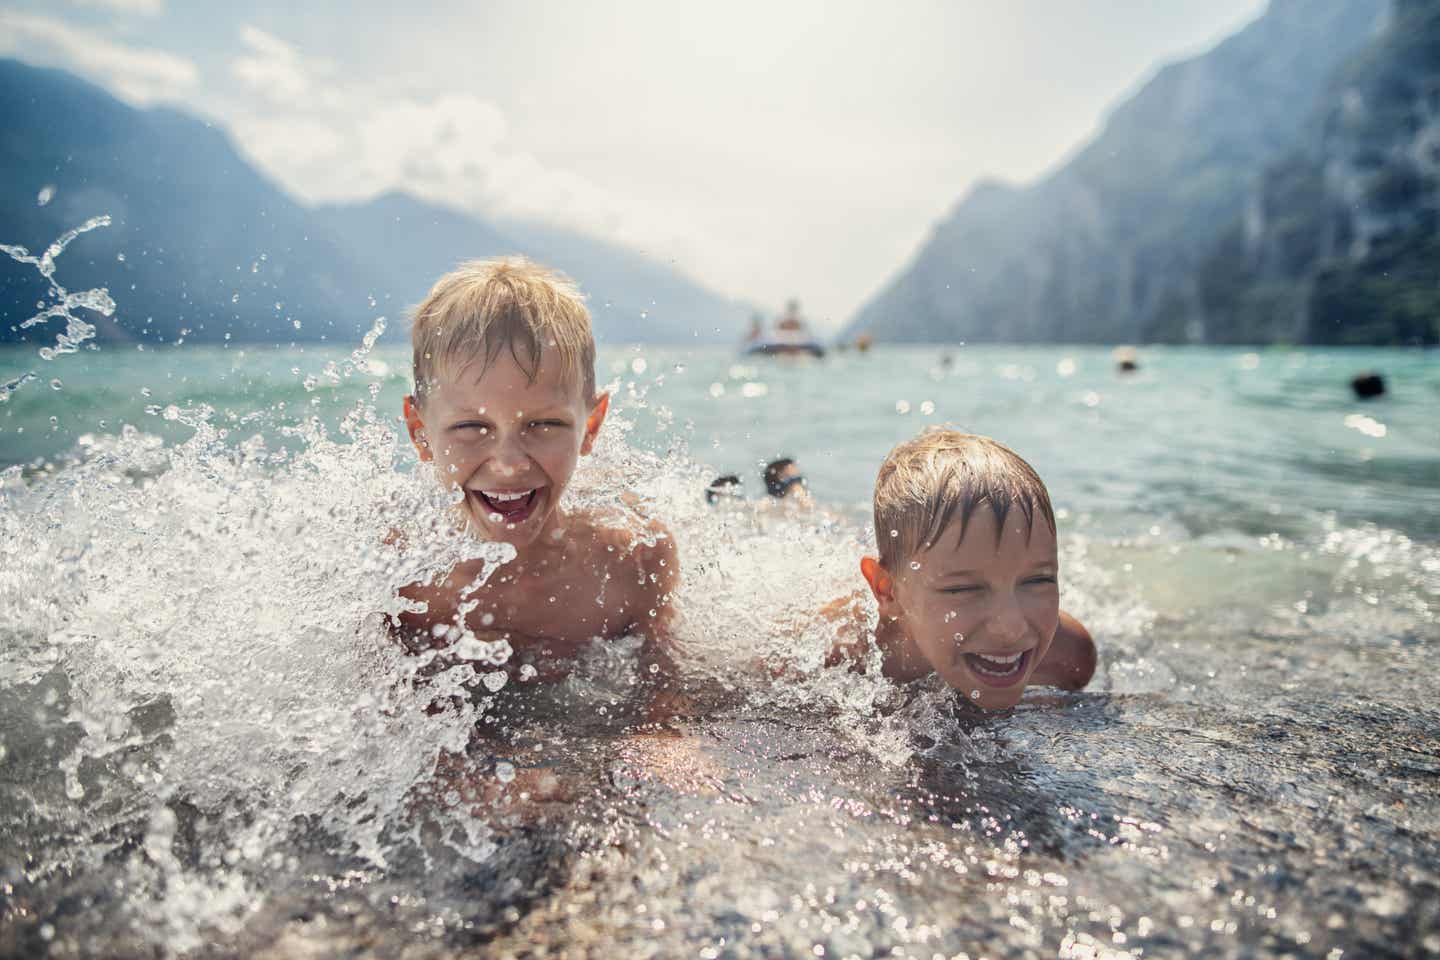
(511, 506)
(998, 670)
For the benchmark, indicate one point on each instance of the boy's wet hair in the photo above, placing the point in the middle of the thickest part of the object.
(726, 485)
(926, 482)
(509, 303)
(776, 484)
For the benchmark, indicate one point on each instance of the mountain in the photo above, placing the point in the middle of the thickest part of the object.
(199, 241)
(204, 247)
(1108, 247)
(1340, 241)
(404, 244)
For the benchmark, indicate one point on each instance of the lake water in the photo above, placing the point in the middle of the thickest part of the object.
(207, 745)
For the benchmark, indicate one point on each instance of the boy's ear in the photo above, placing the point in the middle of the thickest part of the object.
(882, 585)
(416, 426)
(593, 421)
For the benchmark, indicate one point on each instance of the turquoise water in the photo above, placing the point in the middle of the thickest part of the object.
(1213, 440)
(206, 745)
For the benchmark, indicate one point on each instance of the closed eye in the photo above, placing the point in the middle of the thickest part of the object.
(471, 425)
(548, 423)
(1042, 579)
(963, 588)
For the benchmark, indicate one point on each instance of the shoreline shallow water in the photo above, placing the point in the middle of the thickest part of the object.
(1253, 773)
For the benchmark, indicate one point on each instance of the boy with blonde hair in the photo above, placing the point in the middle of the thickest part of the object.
(504, 406)
(967, 577)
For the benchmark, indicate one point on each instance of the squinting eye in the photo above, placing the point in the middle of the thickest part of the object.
(1041, 580)
(541, 424)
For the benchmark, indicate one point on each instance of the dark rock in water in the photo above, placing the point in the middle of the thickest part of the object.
(1127, 366)
(1367, 385)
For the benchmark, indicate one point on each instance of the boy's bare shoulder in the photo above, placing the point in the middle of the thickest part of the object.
(630, 539)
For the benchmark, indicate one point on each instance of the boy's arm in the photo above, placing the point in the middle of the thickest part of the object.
(1070, 662)
(659, 673)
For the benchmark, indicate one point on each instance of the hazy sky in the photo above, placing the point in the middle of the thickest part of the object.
(770, 149)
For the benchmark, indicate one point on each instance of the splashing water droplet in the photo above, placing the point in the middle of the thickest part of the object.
(638, 365)
(494, 680)
(927, 407)
(56, 384)
(120, 257)
(902, 407)
(974, 694)
(46, 194)
(504, 771)
(914, 564)
(527, 672)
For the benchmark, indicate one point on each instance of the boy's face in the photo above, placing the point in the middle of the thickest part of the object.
(508, 444)
(983, 616)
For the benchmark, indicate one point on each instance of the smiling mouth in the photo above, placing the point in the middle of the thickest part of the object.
(998, 670)
(510, 506)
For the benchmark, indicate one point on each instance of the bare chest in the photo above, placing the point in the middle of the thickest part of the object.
(561, 609)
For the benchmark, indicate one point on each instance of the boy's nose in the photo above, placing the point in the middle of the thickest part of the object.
(508, 459)
(1008, 623)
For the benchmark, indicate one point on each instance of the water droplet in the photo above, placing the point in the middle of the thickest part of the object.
(717, 389)
(638, 365)
(894, 533)
(974, 694)
(527, 672)
(902, 407)
(235, 298)
(654, 668)
(55, 384)
(679, 368)
(487, 619)
(144, 391)
(494, 680)
(295, 324)
(504, 771)
(46, 194)
(120, 257)
(927, 407)
(914, 564)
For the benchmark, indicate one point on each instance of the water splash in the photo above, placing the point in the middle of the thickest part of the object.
(64, 303)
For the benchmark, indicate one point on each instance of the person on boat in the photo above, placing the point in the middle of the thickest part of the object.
(791, 322)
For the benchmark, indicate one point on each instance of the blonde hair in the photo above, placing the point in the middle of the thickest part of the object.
(485, 306)
(925, 481)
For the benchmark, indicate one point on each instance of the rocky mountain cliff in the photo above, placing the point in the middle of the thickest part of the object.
(1108, 248)
(202, 246)
(199, 241)
(1340, 242)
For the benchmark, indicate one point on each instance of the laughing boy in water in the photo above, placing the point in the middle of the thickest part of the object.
(967, 579)
(505, 404)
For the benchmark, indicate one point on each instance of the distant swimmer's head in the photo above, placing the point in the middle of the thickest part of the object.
(968, 566)
(783, 478)
(723, 489)
(505, 400)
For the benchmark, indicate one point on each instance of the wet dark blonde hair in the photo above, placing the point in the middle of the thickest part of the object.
(486, 306)
(926, 482)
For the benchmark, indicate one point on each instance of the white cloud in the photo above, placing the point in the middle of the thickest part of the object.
(145, 8)
(329, 139)
(274, 68)
(137, 74)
